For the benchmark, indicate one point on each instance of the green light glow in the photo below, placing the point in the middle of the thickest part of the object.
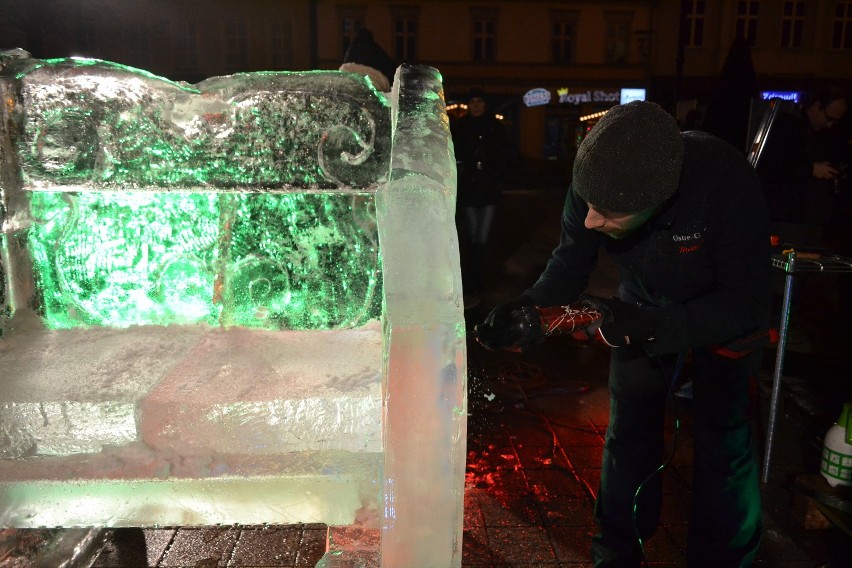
(259, 260)
(241, 201)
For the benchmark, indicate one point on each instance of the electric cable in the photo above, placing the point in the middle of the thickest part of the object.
(678, 367)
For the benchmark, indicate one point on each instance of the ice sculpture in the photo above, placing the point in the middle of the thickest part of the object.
(230, 302)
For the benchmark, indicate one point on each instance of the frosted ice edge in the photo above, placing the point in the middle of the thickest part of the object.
(108, 125)
(425, 368)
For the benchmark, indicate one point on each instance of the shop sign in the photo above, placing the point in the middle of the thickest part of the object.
(630, 95)
(588, 96)
(783, 95)
(536, 97)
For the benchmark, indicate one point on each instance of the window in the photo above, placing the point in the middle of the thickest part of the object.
(562, 34)
(842, 37)
(186, 46)
(792, 24)
(563, 42)
(643, 45)
(617, 42)
(483, 40)
(281, 42)
(693, 22)
(134, 37)
(747, 20)
(559, 136)
(405, 39)
(236, 39)
(484, 34)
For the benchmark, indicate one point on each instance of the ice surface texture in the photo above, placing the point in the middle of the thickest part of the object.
(95, 123)
(148, 202)
(425, 391)
(235, 301)
(265, 260)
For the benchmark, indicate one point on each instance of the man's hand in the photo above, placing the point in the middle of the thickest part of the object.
(513, 325)
(824, 170)
(623, 323)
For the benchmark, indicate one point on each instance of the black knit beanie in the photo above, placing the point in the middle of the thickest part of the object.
(630, 161)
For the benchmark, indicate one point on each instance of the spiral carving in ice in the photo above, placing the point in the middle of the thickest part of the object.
(93, 122)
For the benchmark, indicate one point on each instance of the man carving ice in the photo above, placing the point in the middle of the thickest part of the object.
(683, 217)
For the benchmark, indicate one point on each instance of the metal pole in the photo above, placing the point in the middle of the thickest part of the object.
(790, 269)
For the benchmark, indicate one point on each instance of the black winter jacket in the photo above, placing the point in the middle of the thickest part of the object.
(704, 260)
(480, 150)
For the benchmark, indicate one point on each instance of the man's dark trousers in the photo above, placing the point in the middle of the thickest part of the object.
(725, 522)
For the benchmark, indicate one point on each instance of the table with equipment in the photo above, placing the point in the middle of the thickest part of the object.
(792, 263)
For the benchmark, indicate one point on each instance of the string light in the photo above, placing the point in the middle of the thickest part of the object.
(456, 106)
(593, 115)
(462, 107)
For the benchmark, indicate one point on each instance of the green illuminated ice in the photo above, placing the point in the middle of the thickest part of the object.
(230, 302)
(262, 260)
(156, 203)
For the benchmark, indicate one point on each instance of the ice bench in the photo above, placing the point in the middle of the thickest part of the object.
(230, 302)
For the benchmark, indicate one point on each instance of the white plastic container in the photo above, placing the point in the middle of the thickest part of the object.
(836, 462)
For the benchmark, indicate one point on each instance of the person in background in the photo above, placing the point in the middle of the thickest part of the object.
(838, 233)
(825, 111)
(480, 149)
(692, 121)
(801, 171)
(800, 167)
(727, 113)
(366, 57)
(682, 216)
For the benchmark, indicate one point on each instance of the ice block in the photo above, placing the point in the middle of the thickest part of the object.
(230, 302)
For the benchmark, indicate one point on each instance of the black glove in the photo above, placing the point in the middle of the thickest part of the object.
(513, 325)
(623, 323)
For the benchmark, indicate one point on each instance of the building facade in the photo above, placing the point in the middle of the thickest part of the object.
(570, 58)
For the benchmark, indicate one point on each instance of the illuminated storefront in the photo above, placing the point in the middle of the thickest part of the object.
(545, 124)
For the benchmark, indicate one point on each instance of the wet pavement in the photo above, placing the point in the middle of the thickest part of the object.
(538, 420)
(535, 437)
